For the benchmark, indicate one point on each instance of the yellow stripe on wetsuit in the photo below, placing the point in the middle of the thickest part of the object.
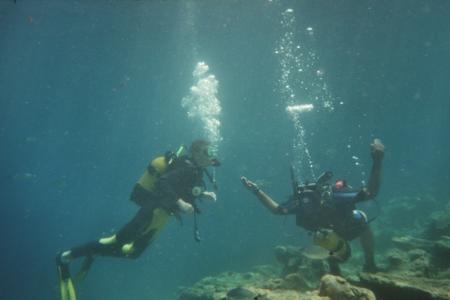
(159, 220)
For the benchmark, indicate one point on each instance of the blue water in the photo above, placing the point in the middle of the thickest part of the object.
(90, 91)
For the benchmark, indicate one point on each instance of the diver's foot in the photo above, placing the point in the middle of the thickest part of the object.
(62, 264)
(63, 258)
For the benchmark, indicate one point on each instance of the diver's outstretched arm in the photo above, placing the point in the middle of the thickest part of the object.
(265, 199)
(377, 153)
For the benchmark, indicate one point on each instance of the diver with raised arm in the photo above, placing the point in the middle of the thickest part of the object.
(329, 211)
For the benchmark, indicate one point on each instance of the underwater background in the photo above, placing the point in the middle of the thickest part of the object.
(90, 91)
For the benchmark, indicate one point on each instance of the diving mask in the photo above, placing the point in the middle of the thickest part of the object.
(211, 153)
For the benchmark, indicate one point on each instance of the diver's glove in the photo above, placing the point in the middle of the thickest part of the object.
(251, 186)
(377, 150)
(185, 207)
(210, 196)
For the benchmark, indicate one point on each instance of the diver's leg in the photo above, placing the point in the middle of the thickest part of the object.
(88, 251)
(368, 246)
(104, 247)
(155, 220)
(108, 246)
(333, 265)
(111, 246)
(133, 229)
(140, 230)
(134, 250)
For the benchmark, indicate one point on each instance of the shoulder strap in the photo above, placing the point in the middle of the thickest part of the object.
(171, 157)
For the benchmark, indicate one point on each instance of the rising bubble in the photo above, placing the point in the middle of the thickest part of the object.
(203, 104)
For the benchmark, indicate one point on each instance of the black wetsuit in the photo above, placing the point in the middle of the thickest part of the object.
(177, 182)
(336, 213)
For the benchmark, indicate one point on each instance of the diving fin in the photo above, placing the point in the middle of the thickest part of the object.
(66, 286)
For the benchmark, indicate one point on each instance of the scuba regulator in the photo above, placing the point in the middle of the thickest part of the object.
(317, 191)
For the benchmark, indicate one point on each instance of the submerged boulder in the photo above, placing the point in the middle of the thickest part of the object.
(337, 288)
(398, 287)
(413, 263)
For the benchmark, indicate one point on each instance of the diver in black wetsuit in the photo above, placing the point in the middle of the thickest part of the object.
(329, 212)
(169, 186)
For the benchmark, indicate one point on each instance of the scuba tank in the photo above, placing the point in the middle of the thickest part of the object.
(146, 184)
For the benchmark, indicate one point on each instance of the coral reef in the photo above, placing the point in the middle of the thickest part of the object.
(414, 249)
(331, 288)
(418, 261)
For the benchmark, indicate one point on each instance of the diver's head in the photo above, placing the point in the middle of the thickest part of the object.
(340, 184)
(203, 154)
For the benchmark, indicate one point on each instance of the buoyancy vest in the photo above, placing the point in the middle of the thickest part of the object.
(145, 188)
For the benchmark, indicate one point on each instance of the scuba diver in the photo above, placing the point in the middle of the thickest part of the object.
(329, 211)
(169, 187)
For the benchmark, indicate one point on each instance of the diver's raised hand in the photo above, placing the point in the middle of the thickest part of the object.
(185, 207)
(250, 185)
(211, 196)
(377, 149)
